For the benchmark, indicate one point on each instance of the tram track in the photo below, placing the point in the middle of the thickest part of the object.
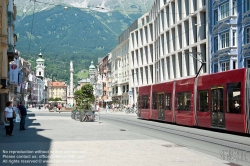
(192, 135)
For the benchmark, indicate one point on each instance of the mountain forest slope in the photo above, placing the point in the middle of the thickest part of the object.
(74, 34)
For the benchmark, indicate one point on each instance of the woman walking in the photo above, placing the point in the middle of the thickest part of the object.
(8, 116)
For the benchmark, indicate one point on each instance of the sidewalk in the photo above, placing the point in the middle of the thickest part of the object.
(56, 139)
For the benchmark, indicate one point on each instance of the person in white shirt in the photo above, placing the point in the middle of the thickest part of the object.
(236, 105)
(8, 116)
(107, 108)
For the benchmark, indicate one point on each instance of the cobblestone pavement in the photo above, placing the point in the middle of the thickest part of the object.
(53, 138)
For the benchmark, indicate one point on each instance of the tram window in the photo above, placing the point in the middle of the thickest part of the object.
(139, 101)
(217, 99)
(183, 101)
(203, 100)
(233, 97)
(154, 101)
(144, 102)
(168, 101)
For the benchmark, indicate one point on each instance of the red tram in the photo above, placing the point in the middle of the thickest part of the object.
(220, 100)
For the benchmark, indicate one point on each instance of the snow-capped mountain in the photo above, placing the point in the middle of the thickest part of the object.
(26, 7)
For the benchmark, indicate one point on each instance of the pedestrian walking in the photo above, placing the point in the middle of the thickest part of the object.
(113, 107)
(22, 113)
(107, 108)
(8, 116)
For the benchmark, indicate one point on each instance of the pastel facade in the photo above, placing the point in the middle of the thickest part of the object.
(229, 34)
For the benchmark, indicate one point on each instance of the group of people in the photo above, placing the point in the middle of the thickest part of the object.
(10, 115)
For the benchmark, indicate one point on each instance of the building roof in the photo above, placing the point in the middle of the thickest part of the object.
(40, 60)
(92, 66)
(57, 84)
(99, 60)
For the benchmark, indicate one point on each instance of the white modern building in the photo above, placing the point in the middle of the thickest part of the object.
(120, 68)
(170, 43)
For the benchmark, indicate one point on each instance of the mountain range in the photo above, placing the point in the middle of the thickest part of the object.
(74, 30)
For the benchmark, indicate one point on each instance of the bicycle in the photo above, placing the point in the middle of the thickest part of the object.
(132, 110)
(136, 111)
(88, 117)
(120, 109)
(127, 111)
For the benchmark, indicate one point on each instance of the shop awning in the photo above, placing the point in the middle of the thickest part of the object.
(107, 100)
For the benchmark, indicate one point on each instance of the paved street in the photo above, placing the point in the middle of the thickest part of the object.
(53, 138)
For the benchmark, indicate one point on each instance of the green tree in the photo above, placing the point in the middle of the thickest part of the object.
(84, 97)
(57, 99)
(51, 99)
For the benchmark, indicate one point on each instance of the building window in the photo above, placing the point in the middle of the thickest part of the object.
(247, 5)
(215, 16)
(234, 8)
(248, 63)
(224, 10)
(215, 44)
(216, 68)
(224, 66)
(225, 40)
(234, 38)
(234, 64)
(39, 73)
(247, 35)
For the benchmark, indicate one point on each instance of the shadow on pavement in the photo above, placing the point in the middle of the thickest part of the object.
(25, 147)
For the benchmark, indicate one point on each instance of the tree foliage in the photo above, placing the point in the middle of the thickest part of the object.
(84, 97)
(55, 99)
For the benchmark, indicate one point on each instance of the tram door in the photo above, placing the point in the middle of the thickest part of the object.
(216, 109)
(161, 106)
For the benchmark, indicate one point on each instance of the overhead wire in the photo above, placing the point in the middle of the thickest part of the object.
(31, 30)
(155, 48)
(152, 21)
